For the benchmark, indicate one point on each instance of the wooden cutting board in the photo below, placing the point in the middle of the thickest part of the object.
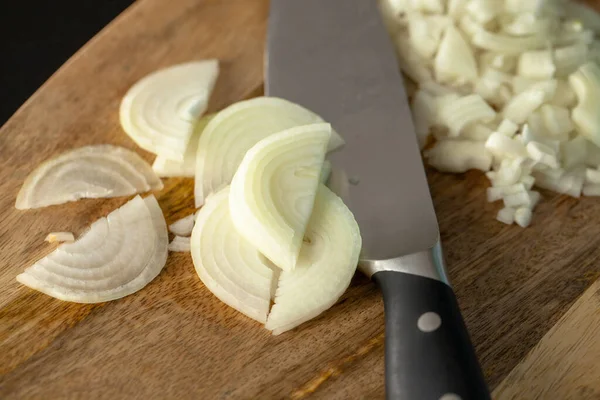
(174, 339)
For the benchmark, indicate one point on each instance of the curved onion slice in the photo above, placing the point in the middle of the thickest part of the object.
(186, 168)
(183, 226)
(88, 172)
(119, 255)
(235, 130)
(160, 110)
(325, 267)
(227, 264)
(273, 191)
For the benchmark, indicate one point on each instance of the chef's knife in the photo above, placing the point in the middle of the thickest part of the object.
(335, 58)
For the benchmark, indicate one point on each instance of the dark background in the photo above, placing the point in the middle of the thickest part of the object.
(37, 37)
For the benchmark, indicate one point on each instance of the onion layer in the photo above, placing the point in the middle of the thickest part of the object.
(118, 256)
(233, 131)
(87, 172)
(227, 264)
(273, 191)
(325, 267)
(160, 110)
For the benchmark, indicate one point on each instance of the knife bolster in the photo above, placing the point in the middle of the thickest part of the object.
(428, 263)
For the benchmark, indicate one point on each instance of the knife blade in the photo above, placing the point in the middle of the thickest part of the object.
(335, 58)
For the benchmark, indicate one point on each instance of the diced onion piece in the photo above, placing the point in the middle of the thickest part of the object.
(97, 171)
(118, 256)
(186, 168)
(498, 192)
(536, 64)
(569, 58)
(435, 89)
(484, 11)
(468, 26)
(230, 267)
(424, 111)
(502, 146)
(459, 156)
(564, 96)
(425, 33)
(507, 128)
(585, 82)
(325, 267)
(183, 226)
(456, 8)
(506, 215)
(528, 181)
(592, 176)
(567, 183)
(592, 158)
(528, 24)
(500, 62)
(477, 132)
(160, 110)
(574, 152)
(464, 111)
(556, 120)
(274, 188)
(60, 237)
(454, 62)
(523, 217)
(180, 244)
(410, 62)
(525, 103)
(543, 154)
(507, 44)
(234, 130)
(509, 172)
(591, 190)
(522, 199)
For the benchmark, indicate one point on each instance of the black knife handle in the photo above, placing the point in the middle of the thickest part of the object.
(428, 353)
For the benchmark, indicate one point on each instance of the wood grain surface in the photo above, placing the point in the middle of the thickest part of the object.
(173, 339)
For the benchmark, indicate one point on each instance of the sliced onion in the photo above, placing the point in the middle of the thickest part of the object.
(160, 110)
(325, 267)
(186, 168)
(233, 131)
(88, 172)
(60, 237)
(118, 256)
(180, 244)
(507, 44)
(183, 226)
(456, 115)
(274, 188)
(231, 268)
(459, 156)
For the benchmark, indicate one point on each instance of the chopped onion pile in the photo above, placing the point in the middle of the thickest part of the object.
(186, 168)
(233, 131)
(509, 87)
(88, 172)
(274, 188)
(160, 110)
(119, 255)
(60, 237)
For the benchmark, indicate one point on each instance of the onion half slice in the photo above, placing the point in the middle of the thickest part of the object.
(88, 172)
(160, 110)
(186, 168)
(327, 262)
(233, 131)
(118, 256)
(273, 191)
(227, 264)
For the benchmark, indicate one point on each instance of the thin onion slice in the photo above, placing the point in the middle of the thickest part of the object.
(229, 266)
(60, 237)
(186, 168)
(97, 171)
(233, 131)
(183, 226)
(160, 110)
(118, 256)
(180, 244)
(325, 267)
(274, 188)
